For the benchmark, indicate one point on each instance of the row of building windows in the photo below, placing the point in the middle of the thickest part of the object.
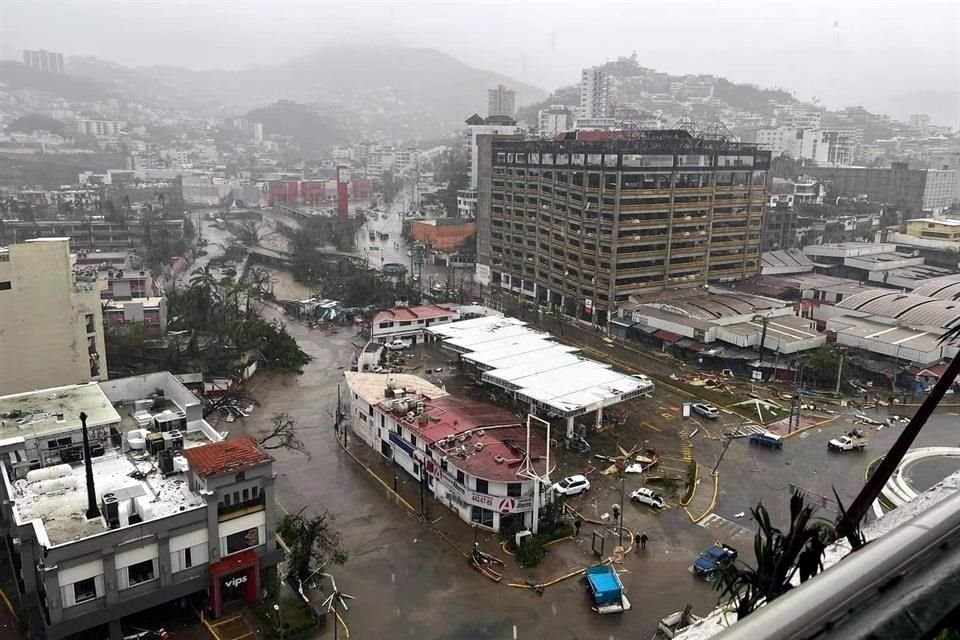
(623, 159)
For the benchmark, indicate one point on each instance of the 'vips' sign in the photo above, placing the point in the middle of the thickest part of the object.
(235, 581)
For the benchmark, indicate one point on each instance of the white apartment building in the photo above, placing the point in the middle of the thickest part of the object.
(501, 101)
(467, 203)
(477, 126)
(555, 119)
(594, 94)
(798, 143)
(51, 324)
(100, 128)
(939, 189)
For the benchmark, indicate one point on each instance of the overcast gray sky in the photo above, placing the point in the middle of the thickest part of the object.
(851, 52)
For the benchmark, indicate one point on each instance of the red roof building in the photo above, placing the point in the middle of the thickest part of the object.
(228, 456)
(409, 323)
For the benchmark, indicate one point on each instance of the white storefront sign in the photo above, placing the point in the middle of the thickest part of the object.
(505, 505)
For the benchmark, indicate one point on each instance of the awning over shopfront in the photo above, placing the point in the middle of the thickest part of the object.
(667, 336)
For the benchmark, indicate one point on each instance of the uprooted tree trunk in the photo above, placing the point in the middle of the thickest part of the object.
(282, 435)
(313, 544)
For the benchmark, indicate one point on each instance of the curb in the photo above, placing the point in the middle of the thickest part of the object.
(696, 480)
(713, 502)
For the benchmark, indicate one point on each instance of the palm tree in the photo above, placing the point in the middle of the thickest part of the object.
(780, 556)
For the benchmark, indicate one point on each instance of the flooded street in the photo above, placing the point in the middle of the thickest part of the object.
(409, 583)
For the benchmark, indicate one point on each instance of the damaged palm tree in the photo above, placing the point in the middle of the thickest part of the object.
(780, 556)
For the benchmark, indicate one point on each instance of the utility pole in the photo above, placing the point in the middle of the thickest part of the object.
(839, 371)
(623, 477)
(726, 445)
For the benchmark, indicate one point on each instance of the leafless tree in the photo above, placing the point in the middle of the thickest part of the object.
(282, 435)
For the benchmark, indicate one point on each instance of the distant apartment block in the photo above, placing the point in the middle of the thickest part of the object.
(582, 224)
(103, 236)
(44, 61)
(944, 229)
(797, 143)
(555, 119)
(912, 191)
(843, 145)
(501, 101)
(175, 511)
(100, 128)
(466, 203)
(51, 324)
(594, 94)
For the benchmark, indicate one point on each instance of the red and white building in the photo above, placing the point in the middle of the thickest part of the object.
(469, 454)
(410, 323)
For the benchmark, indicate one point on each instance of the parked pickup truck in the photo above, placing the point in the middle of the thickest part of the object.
(846, 443)
(717, 556)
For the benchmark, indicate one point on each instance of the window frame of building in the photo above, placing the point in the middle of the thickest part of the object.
(92, 595)
(461, 477)
(481, 516)
(141, 566)
(5, 285)
(482, 486)
(514, 489)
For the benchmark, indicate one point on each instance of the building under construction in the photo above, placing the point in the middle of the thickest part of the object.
(582, 222)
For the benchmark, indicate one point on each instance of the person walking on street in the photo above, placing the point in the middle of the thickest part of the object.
(576, 526)
(636, 541)
(643, 541)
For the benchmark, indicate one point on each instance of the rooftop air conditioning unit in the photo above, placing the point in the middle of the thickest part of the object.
(499, 459)
(478, 446)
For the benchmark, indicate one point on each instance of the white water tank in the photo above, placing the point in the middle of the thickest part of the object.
(124, 513)
(180, 464)
(144, 508)
(55, 485)
(49, 473)
(137, 439)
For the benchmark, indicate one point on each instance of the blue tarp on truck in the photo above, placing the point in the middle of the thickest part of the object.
(606, 589)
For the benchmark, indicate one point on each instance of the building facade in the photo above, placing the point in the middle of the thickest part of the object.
(410, 323)
(501, 101)
(51, 323)
(912, 191)
(583, 224)
(797, 143)
(477, 126)
(176, 511)
(44, 61)
(464, 452)
(555, 119)
(594, 94)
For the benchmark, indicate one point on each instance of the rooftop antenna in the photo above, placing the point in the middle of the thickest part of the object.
(93, 511)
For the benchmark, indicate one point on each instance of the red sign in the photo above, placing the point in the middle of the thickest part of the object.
(507, 505)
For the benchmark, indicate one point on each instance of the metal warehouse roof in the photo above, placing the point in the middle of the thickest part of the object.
(909, 308)
(714, 305)
(945, 288)
(560, 382)
(527, 346)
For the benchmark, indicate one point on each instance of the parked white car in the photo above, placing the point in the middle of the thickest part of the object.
(572, 485)
(397, 345)
(648, 497)
(706, 410)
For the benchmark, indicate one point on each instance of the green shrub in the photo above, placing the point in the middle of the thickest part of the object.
(531, 553)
